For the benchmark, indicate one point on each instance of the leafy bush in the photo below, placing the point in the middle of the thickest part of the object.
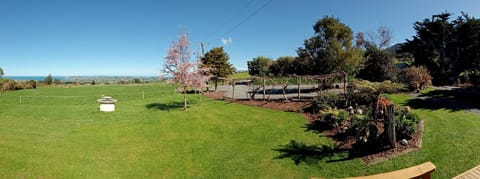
(381, 87)
(470, 76)
(334, 117)
(9, 85)
(328, 98)
(415, 78)
(317, 105)
(363, 128)
(325, 101)
(406, 124)
(29, 84)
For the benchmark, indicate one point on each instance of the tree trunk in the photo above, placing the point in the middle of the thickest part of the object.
(208, 89)
(185, 98)
(216, 83)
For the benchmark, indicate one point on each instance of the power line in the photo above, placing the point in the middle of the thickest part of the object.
(255, 12)
(238, 13)
(248, 18)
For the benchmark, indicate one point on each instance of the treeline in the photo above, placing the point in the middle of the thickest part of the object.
(443, 50)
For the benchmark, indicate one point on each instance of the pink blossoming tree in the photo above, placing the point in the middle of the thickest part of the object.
(185, 73)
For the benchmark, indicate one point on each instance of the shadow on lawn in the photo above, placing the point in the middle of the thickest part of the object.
(454, 99)
(343, 150)
(165, 106)
(310, 154)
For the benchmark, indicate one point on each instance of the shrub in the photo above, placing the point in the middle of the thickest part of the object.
(406, 124)
(380, 87)
(9, 85)
(328, 98)
(363, 128)
(317, 105)
(32, 83)
(415, 78)
(334, 117)
(323, 102)
(390, 87)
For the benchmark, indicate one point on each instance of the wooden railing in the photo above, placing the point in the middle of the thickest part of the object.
(423, 171)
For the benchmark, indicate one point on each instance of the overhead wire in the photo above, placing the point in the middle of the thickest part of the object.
(247, 18)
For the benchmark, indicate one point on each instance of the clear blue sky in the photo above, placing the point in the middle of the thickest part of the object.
(131, 37)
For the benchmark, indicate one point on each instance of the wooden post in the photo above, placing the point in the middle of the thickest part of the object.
(284, 88)
(390, 125)
(299, 84)
(233, 90)
(263, 86)
(320, 86)
(345, 78)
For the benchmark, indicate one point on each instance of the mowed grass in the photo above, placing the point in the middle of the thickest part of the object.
(59, 133)
(451, 140)
(240, 75)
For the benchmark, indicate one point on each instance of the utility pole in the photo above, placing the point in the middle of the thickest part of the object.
(203, 48)
(202, 44)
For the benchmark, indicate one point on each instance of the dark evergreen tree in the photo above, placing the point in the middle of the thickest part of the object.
(379, 65)
(448, 48)
(48, 80)
(217, 60)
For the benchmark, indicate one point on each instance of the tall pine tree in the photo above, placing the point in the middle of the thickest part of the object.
(217, 61)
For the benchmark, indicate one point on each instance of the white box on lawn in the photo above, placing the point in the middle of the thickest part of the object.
(107, 107)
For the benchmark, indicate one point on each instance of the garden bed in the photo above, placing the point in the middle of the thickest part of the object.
(344, 143)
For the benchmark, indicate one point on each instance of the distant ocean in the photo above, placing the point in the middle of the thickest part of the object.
(84, 78)
(35, 78)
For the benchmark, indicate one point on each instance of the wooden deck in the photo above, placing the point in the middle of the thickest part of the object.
(473, 173)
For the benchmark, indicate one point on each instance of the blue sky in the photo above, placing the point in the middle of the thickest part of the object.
(131, 37)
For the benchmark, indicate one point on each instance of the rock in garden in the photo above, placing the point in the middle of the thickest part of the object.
(359, 111)
(404, 142)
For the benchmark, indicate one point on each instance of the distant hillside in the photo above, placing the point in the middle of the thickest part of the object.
(393, 49)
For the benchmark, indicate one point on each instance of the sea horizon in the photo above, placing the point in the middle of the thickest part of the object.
(75, 77)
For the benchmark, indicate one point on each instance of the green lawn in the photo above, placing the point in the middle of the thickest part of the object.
(240, 75)
(59, 133)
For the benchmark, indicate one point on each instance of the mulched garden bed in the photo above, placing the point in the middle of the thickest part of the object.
(414, 141)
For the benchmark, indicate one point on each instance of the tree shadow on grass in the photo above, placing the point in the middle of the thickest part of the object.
(454, 99)
(317, 127)
(165, 106)
(310, 154)
(345, 147)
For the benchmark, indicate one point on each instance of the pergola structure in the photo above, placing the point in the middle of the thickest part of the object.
(322, 81)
